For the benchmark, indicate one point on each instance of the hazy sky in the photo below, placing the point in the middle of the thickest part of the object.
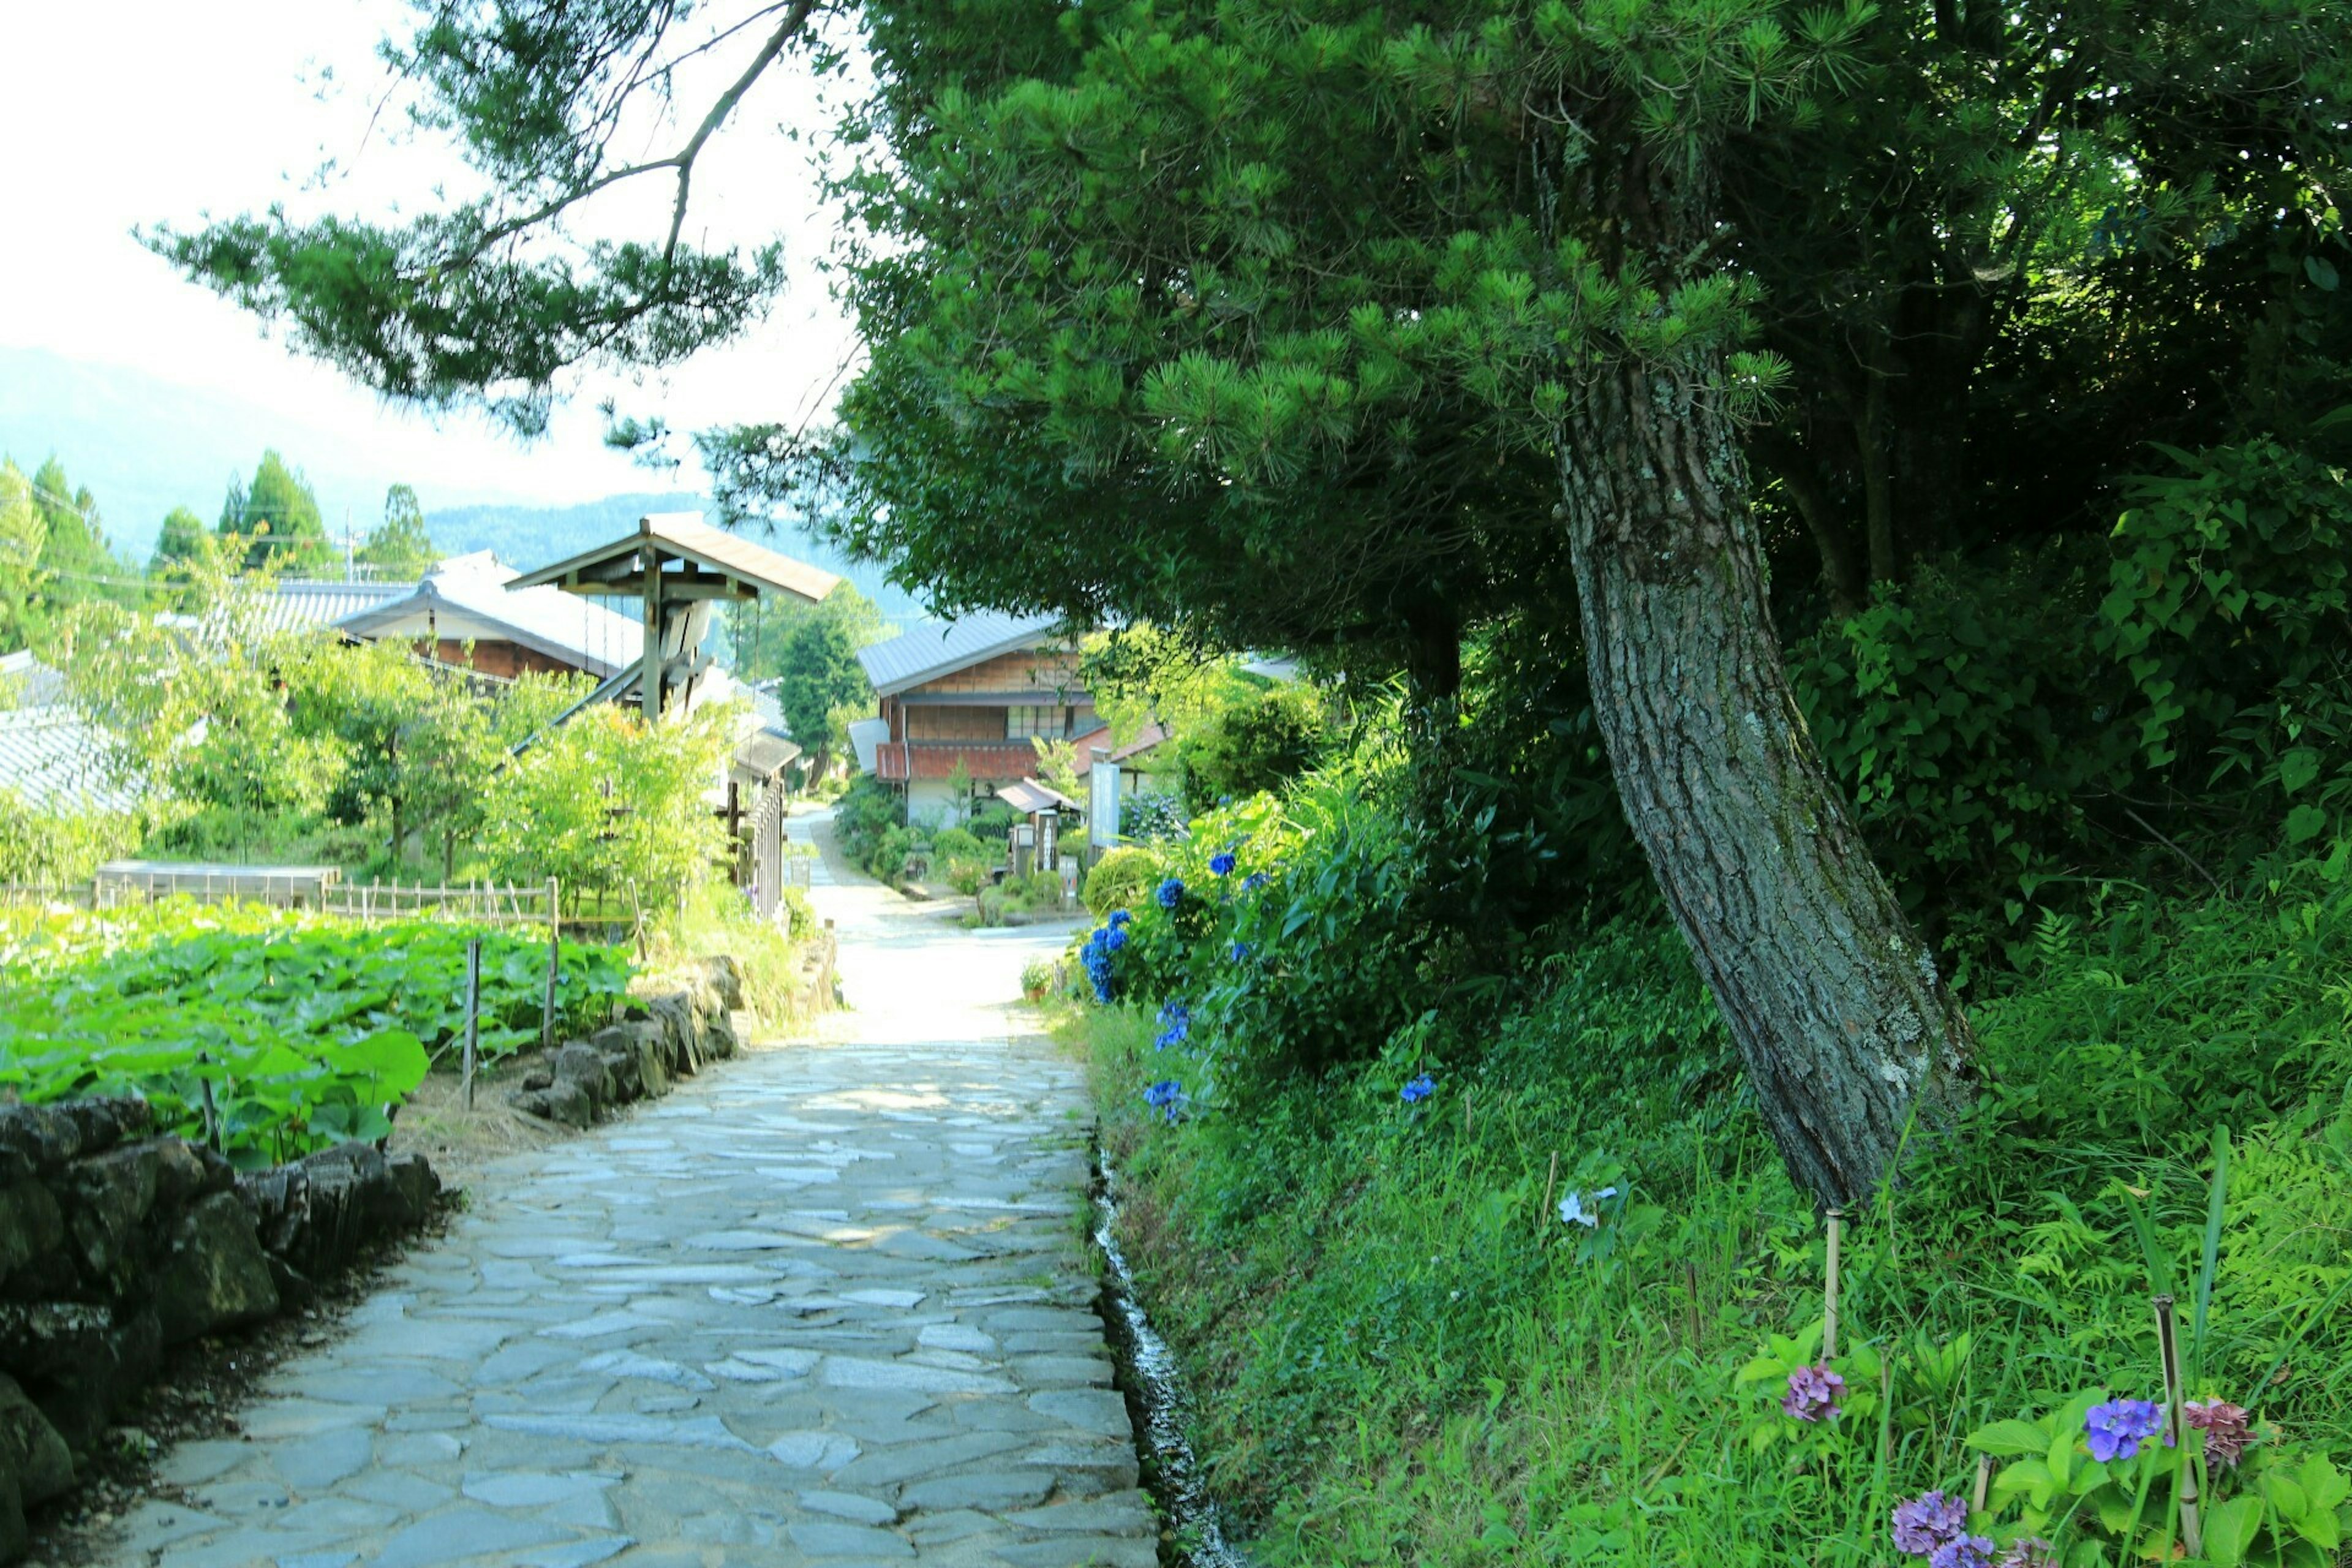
(122, 112)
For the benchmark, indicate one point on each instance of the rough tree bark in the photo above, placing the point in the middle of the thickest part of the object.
(1844, 1025)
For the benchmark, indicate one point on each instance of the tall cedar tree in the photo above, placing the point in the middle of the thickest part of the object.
(1354, 323)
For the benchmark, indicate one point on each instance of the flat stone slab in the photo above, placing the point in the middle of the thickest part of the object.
(821, 1305)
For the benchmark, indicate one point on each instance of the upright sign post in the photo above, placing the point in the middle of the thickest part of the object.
(1102, 808)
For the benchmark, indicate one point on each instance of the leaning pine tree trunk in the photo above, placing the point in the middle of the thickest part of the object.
(1846, 1026)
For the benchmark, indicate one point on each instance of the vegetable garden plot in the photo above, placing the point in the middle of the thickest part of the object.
(307, 1030)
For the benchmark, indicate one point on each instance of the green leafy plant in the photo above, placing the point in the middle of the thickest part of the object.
(306, 1030)
(1120, 880)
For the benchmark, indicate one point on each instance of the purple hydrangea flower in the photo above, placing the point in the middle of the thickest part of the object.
(1814, 1392)
(1170, 893)
(2225, 1426)
(2118, 1428)
(1967, 1551)
(1928, 1523)
(1222, 863)
(1419, 1089)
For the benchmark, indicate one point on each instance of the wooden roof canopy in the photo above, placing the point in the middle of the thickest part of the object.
(679, 567)
(696, 560)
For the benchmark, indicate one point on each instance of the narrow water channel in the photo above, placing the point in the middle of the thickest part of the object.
(1148, 1374)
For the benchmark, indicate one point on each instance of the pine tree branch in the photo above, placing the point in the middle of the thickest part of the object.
(682, 161)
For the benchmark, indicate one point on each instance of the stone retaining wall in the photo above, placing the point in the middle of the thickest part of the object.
(679, 1023)
(115, 1246)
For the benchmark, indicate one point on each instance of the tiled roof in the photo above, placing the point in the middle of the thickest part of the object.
(54, 759)
(983, 762)
(1152, 735)
(933, 649)
(1034, 795)
(27, 682)
(465, 599)
(297, 604)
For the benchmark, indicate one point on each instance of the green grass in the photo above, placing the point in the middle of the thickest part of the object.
(1400, 1355)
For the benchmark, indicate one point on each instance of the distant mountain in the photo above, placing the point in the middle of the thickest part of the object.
(531, 537)
(143, 444)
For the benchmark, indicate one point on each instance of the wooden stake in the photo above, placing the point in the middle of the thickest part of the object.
(473, 1014)
(2168, 1344)
(1830, 1286)
(1551, 1181)
(554, 946)
(637, 913)
(212, 1115)
(1984, 1481)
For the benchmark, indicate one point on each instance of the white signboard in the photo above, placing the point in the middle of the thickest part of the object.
(1102, 806)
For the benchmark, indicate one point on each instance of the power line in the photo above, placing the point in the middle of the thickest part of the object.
(142, 583)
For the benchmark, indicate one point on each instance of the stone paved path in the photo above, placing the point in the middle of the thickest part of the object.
(828, 1304)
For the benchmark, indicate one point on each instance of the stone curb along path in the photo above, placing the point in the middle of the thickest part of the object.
(830, 1305)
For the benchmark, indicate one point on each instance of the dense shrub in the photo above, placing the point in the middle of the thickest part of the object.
(2170, 707)
(48, 848)
(1289, 932)
(1256, 745)
(1121, 878)
(949, 845)
(867, 810)
(893, 852)
(1974, 725)
(992, 823)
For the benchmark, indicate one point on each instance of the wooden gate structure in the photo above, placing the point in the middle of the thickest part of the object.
(679, 568)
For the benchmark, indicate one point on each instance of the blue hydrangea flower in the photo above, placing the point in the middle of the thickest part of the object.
(1240, 950)
(1120, 917)
(1165, 1097)
(1175, 1023)
(1255, 880)
(1420, 1089)
(1095, 958)
(1169, 894)
(2117, 1429)
(1222, 863)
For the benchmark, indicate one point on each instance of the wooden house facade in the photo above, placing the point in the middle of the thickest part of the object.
(964, 702)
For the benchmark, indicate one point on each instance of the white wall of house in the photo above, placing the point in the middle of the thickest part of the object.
(930, 801)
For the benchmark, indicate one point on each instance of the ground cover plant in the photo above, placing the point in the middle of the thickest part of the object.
(301, 1030)
(1531, 1284)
